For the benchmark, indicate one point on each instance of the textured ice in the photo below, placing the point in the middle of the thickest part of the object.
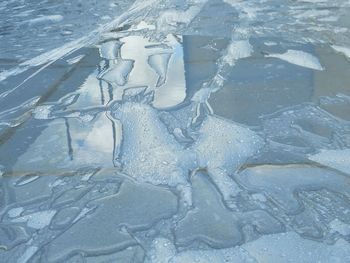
(162, 160)
(110, 49)
(29, 252)
(15, 116)
(338, 226)
(159, 62)
(237, 50)
(343, 50)
(299, 58)
(220, 227)
(123, 133)
(14, 212)
(277, 248)
(232, 146)
(75, 59)
(117, 73)
(337, 159)
(36, 220)
(169, 19)
(45, 19)
(283, 182)
(159, 158)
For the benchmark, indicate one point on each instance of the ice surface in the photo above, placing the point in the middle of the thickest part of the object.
(157, 157)
(110, 49)
(283, 182)
(117, 73)
(285, 247)
(338, 226)
(36, 220)
(159, 62)
(299, 58)
(222, 156)
(14, 212)
(237, 50)
(337, 159)
(44, 19)
(173, 131)
(343, 50)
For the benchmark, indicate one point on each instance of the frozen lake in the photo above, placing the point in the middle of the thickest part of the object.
(175, 131)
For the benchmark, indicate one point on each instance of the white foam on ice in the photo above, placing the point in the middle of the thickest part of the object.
(299, 58)
(344, 50)
(337, 159)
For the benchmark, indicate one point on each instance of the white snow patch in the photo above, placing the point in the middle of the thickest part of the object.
(299, 58)
(343, 50)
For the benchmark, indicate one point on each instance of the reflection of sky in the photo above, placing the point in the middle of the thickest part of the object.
(91, 145)
(173, 91)
(71, 142)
